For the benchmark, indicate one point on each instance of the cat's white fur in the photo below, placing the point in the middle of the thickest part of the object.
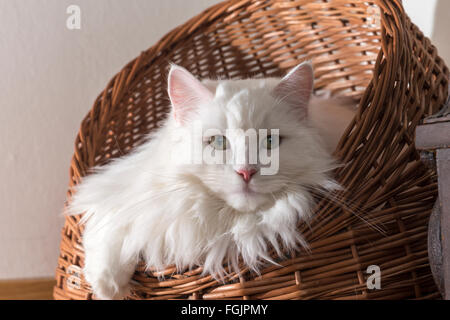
(148, 205)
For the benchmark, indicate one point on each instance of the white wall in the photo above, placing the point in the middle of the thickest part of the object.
(433, 18)
(49, 78)
(422, 13)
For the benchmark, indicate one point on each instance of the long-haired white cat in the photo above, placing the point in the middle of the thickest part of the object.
(158, 204)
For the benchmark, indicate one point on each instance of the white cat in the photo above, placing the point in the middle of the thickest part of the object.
(156, 204)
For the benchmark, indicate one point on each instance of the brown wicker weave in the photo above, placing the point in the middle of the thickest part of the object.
(369, 50)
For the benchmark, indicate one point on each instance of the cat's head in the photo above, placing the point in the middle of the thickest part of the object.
(249, 140)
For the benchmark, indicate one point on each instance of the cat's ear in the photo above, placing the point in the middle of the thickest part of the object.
(186, 93)
(296, 87)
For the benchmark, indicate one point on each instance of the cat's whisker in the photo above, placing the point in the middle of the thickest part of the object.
(346, 206)
(332, 196)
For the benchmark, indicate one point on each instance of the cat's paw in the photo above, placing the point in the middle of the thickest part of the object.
(106, 286)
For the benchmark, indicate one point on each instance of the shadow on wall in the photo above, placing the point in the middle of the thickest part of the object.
(440, 37)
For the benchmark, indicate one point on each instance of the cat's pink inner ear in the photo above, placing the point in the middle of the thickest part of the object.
(296, 87)
(186, 93)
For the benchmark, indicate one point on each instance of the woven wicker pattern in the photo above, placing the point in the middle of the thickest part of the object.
(369, 50)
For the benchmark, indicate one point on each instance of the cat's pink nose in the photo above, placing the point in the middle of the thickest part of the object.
(246, 174)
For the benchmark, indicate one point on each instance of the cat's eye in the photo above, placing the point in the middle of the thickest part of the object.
(271, 142)
(218, 142)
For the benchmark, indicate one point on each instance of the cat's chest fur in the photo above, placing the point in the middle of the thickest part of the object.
(216, 230)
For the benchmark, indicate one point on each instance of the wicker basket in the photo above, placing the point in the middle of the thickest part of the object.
(369, 50)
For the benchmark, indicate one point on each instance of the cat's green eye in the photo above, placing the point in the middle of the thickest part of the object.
(218, 142)
(271, 142)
